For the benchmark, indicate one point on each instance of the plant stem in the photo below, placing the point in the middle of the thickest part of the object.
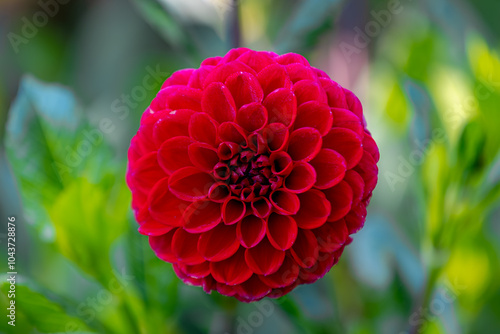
(426, 298)
(234, 24)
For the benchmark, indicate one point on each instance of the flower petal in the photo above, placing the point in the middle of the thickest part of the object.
(231, 271)
(355, 219)
(233, 210)
(199, 75)
(162, 246)
(184, 247)
(178, 270)
(285, 202)
(353, 103)
(164, 206)
(334, 92)
(219, 192)
(203, 156)
(318, 270)
(221, 171)
(314, 209)
(286, 274)
(340, 197)
(301, 178)
(291, 58)
(264, 259)
(177, 97)
(368, 170)
(211, 61)
(154, 228)
(190, 183)
(281, 163)
(274, 77)
(233, 54)
(345, 142)
(196, 271)
(251, 290)
(357, 185)
(281, 231)
(222, 72)
(305, 249)
(256, 60)
(232, 132)
(245, 88)
(276, 136)
(281, 105)
(252, 116)
(331, 236)
(298, 72)
(218, 102)
(218, 243)
(309, 90)
(370, 146)
(173, 154)
(227, 150)
(146, 173)
(203, 128)
(343, 118)
(304, 144)
(201, 216)
(180, 77)
(330, 168)
(250, 231)
(261, 207)
(172, 124)
(316, 115)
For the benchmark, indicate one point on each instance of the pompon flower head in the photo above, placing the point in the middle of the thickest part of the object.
(250, 173)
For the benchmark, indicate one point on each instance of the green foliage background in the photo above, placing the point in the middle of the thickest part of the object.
(429, 79)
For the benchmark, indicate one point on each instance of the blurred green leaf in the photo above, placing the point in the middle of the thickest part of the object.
(41, 313)
(308, 17)
(470, 149)
(162, 21)
(40, 131)
(397, 108)
(421, 58)
(88, 218)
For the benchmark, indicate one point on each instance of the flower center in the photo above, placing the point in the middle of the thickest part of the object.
(248, 175)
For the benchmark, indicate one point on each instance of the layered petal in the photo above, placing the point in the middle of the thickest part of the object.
(264, 259)
(190, 183)
(219, 243)
(281, 231)
(233, 270)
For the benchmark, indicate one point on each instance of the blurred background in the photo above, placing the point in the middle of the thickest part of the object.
(76, 75)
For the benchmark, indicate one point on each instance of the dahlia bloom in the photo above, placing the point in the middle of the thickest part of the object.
(249, 173)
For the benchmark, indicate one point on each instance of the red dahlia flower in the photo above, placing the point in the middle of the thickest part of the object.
(249, 173)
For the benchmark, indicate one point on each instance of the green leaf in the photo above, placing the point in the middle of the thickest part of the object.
(470, 148)
(161, 21)
(87, 218)
(397, 109)
(32, 309)
(41, 128)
